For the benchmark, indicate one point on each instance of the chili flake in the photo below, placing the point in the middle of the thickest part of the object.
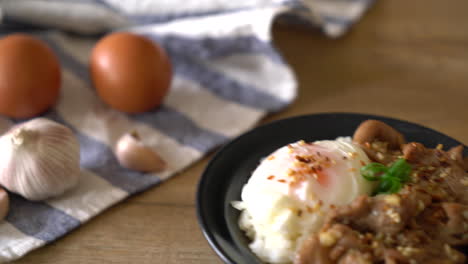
(303, 159)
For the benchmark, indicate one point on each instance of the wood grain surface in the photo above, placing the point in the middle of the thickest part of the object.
(404, 59)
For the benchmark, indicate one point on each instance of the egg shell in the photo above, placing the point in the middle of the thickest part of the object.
(29, 76)
(131, 73)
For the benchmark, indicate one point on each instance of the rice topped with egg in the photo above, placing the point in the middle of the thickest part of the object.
(291, 190)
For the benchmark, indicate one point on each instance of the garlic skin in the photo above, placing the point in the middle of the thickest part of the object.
(4, 203)
(39, 159)
(133, 154)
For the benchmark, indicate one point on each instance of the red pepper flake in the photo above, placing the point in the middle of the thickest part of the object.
(299, 213)
(332, 206)
(303, 159)
(271, 177)
(282, 180)
(327, 158)
(319, 168)
(345, 158)
(362, 163)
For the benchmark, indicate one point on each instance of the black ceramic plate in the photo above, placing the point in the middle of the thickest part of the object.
(232, 166)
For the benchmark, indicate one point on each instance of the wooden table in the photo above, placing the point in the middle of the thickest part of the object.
(404, 59)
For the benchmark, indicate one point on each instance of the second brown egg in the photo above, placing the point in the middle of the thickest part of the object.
(131, 73)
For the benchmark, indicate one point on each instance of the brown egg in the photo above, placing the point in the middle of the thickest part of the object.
(131, 73)
(29, 76)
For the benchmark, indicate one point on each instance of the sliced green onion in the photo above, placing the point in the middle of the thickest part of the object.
(400, 169)
(391, 179)
(372, 171)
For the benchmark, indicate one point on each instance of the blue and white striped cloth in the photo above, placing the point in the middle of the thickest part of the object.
(227, 75)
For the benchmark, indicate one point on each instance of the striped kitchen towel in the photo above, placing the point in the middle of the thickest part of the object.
(227, 75)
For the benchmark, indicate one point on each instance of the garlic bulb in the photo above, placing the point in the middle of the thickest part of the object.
(39, 159)
(4, 203)
(133, 154)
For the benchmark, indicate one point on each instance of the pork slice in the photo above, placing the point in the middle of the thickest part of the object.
(393, 256)
(312, 252)
(443, 170)
(456, 154)
(378, 156)
(356, 257)
(446, 222)
(375, 130)
(433, 252)
(382, 213)
(416, 246)
(331, 245)
(416, 153)
(456, 174)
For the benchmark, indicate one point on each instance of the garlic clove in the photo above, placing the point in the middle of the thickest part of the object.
(4, 203)
(133, 154)
(39, 159)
